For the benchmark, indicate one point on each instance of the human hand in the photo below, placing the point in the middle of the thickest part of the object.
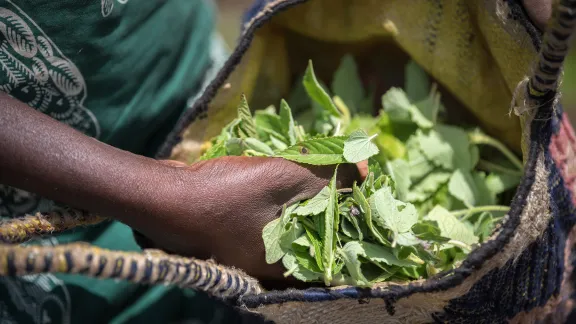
(218, 208)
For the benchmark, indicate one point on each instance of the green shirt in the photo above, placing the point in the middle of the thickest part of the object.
(121, 71)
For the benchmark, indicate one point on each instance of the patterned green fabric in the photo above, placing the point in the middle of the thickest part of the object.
(122, 71)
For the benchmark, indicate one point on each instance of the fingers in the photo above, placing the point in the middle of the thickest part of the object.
(539, 11)
(363, 169)
(348, 174)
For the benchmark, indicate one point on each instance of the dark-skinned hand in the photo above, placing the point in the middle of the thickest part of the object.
(220, 207)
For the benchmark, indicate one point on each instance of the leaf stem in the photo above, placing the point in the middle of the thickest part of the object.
(337, 130)
(415, 259)
(483, 139)
(480, 209)
(493, 167)
(460, 244)
(291, 271)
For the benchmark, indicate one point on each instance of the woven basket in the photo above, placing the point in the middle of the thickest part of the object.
(486, 53)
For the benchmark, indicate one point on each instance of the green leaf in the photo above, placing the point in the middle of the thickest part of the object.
(407, 239)
(463, 187)
(348, 229)
(484, 226)
(317, 93)
(302, 243)
(367, 187)
(379, 255)
(474, 155)
(417, 83)
(298, 98)
(298, 271)
(418, 162)
(457, 138)
(258, 146)
(399, 171)
(319, 151)
(349, 254)
(315, 205)
(498, 183)
(346, 83)
(288, 126)
(384, 180)
(328, 234)
(391, 146)
(271, 235)
(359, 147)
(429, 231)
(307, 262)
(350, 220)
(484, 196)
(358, 226)
(217, 150)
(365, 207)
(294, 231)
(317, 247)
(375, 167)
(429, 185)
(269, 125)
(436, 149)
(338, 266)
(392, 214)
(278, 144)
(451, 227)
(235, 147)
(376, 272)
(427, 109)
(422, 114)
(364, 122)
(382, 254)
(246, 125)
(397, 105)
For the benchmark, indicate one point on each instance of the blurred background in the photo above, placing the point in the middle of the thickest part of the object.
(229, 20)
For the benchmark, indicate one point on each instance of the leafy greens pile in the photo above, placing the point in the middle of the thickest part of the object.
(429, 198)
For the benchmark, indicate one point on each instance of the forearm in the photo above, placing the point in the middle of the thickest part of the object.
(44, 156)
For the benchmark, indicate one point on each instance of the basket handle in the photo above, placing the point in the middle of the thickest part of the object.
(149, 267)
(545, 77)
